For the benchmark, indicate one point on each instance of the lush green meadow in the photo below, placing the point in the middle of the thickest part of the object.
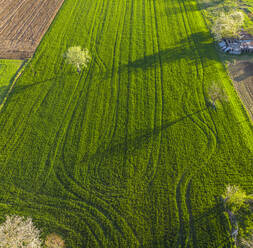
(127, 153)
(8, 69)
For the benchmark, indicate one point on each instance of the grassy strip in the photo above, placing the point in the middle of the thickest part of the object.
(8, 69)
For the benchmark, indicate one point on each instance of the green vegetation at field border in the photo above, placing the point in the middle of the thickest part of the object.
(127, 153)
(8, 70)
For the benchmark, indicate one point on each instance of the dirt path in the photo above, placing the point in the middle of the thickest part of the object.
(23, 24)
(242, 74)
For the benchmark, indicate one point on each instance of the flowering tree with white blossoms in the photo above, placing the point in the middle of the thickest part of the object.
(78, 57)
(227, 25)
(18, 232)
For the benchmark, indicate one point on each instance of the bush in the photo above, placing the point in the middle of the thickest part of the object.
(53, 240)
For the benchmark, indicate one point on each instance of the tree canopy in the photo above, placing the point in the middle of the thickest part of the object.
(234, 198)
(78, 57)
(17, 231)
(227, 25)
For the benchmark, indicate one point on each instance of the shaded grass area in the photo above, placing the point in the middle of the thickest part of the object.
(8, 69)
(127, 153)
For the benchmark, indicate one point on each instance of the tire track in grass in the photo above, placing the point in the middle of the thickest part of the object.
(98, 61)
(67, 110)
(89, 223)
(150, 161)
(130, 48)
(20, 127)
(101, 205)
(180, 196)
(95, 182)
(79, 192)
(185, 226)
(184, 183)
(153, 162)
(94, 179)
(15, 139)
(50, 162)
(16, 143)
(76, 105)
(128, 86)
(213, 133)
(100, 64)
(119, 80)
(51, 204)
(65, 178)
(115, 77)
(158, 77)
(61, 130)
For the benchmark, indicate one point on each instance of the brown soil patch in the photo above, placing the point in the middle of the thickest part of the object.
(242, 75)
(23, 24)
(53, 240)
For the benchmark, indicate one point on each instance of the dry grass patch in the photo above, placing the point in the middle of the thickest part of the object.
(54, 240)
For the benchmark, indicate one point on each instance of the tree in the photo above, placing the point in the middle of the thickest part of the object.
(78, 57)
(216, 93)
(227, 25)
(19, 232)
(234, 198)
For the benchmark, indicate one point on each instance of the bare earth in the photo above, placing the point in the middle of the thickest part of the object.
(242, 75)
(23, 24)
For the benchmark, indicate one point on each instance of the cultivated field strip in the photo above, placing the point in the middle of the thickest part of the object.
(127, 153)
(22, 25)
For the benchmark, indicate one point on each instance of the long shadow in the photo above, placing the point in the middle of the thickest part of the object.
(201, 227)
(192, 48)
(200, 5)
(3, 92)
(18, 89)
(4, 89)
(210, 4)
(216, 212)
(134, 141)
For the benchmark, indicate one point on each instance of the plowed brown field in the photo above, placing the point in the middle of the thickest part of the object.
(242, 75)
(22, 25)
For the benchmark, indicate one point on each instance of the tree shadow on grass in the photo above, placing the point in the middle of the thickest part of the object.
(3, 92)
(188, 5)
(19, 88)
(200, 222)
(4, 89)
(134, 141)
(196, 46)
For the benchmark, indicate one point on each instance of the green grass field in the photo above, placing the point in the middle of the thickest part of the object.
(8, 69)
(127, 153)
